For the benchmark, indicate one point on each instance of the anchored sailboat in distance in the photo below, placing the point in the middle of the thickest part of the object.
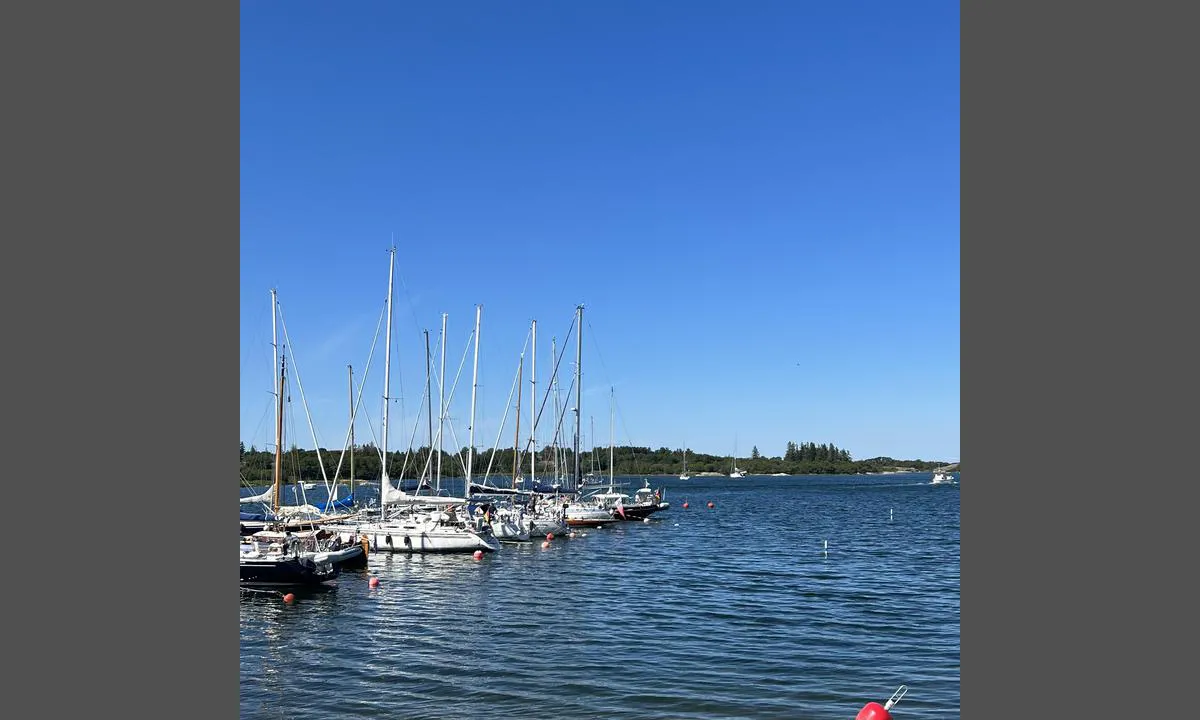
(734, 471)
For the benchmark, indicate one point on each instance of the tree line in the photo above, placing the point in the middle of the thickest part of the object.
(257, 466)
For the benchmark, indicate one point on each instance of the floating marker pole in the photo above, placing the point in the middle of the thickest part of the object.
(875, 711)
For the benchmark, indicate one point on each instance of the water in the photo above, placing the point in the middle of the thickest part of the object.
(733, 612)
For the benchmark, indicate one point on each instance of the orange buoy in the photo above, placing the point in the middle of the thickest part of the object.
(711, 505)
(289, 598)
(373, 582)
(478, 555)
(549, 536)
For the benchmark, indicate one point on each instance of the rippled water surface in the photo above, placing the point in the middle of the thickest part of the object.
(737, 611)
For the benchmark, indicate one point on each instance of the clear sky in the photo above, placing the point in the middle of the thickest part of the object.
(756, 202)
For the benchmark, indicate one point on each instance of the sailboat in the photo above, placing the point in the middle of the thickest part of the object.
(285, 562)
(734, 471)
(419, 523)
(620, 506)
(579, 513)
(290, 517)
(684, 475)
(289, 530)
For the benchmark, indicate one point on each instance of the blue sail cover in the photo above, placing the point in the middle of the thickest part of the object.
(340, 504)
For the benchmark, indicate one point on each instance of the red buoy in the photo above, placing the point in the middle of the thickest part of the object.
(478, 555)
(373, 582)
(873, 711)
(289, 598)
(549, 536)
(685, 504)
(711, 505)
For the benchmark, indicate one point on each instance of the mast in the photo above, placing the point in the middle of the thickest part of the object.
(612, 437)
(276, 390)
(441, 404)
(428, 402)
(578, 385)
(279, 437)
(533, 407)
(351, 369)
(387, 371)
(554, 387)
(474, 384)
(517, 432)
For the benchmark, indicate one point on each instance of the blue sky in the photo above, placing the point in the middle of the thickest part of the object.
(757, 203)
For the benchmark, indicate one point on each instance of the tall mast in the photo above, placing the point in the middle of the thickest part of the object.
(350, 368)
(387, 371)
(612, 436)
(279, 436)
(578, 384)
(441, 404)
(428, 402)
(517, 432)
(533, 407)
(474, 384)
(275, 388)
(554, 387)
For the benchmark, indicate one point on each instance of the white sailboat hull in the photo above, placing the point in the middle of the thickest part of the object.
(410, 537)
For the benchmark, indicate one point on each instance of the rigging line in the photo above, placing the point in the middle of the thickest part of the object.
(562, 414)
(411, 305)
(553, 373)
(596, 347)
(416, 426)
(357, 405)
(300, 385)
(457, 376)
(624, 425)
(504, 417)
(263, 419)
(529, 444)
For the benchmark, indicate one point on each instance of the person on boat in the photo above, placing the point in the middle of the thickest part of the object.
(291, 544)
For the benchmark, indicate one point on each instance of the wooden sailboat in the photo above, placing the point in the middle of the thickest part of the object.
(283, 562)
(276, 515)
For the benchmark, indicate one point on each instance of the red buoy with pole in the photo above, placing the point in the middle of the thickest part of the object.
(875, 711)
